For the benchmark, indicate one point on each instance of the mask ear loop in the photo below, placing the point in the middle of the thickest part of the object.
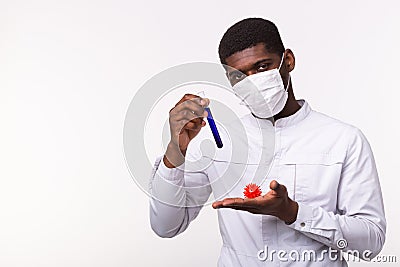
(288, 82)
(280, 65)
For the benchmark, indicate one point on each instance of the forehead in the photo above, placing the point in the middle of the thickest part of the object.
(246, 58)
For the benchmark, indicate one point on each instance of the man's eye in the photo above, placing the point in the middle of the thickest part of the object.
(263, 67)
(237, 76)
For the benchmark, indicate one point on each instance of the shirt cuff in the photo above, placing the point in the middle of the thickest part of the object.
(304, 218)
(170, 174)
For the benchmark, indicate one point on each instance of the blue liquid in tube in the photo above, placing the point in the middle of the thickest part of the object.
(213, 128)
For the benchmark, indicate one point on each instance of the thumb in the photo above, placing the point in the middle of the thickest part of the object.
(280, 189)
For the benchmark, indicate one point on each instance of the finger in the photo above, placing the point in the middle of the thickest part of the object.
(278, 188)
(185, 124)
(227, 202)
(193, 126)
(187, 97)
(237, 201)
(274, 185)
(191, 106)
(240, 202)
(201, 101)
(220, 205)
(183, 104)
(217, 204)
(189, 126)
(185, 116)
(204, 102)
(178, 123)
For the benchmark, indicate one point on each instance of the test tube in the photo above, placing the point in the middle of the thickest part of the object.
(212, 124)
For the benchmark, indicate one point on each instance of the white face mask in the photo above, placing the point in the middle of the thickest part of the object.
(263, 93)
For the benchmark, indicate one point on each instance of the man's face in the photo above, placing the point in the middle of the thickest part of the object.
(250, 61)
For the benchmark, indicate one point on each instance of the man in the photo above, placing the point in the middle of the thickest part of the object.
(324, 192)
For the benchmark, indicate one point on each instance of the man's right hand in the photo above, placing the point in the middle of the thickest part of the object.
(185, 122)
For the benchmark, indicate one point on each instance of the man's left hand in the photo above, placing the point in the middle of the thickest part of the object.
(276, 203)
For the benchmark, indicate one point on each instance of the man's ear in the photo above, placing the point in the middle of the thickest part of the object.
(290, 60)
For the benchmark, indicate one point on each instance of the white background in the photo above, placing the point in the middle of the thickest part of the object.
(68, 70)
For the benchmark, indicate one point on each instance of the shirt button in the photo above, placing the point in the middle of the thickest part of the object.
(302, 224)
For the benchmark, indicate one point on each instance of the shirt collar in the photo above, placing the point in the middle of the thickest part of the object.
(250, 121)
(295, 118)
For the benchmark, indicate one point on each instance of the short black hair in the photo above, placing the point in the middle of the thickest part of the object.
(247, 33)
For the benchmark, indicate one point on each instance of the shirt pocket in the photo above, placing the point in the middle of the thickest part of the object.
(316, 178)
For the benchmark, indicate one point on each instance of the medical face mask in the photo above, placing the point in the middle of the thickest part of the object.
(263, 93)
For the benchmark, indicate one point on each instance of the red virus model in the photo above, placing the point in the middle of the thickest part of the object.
(252, 191)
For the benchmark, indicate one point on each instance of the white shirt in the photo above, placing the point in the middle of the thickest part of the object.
(328, 169)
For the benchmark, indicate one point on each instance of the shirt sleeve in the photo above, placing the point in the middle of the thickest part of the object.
(177, 197)
(360, 217)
